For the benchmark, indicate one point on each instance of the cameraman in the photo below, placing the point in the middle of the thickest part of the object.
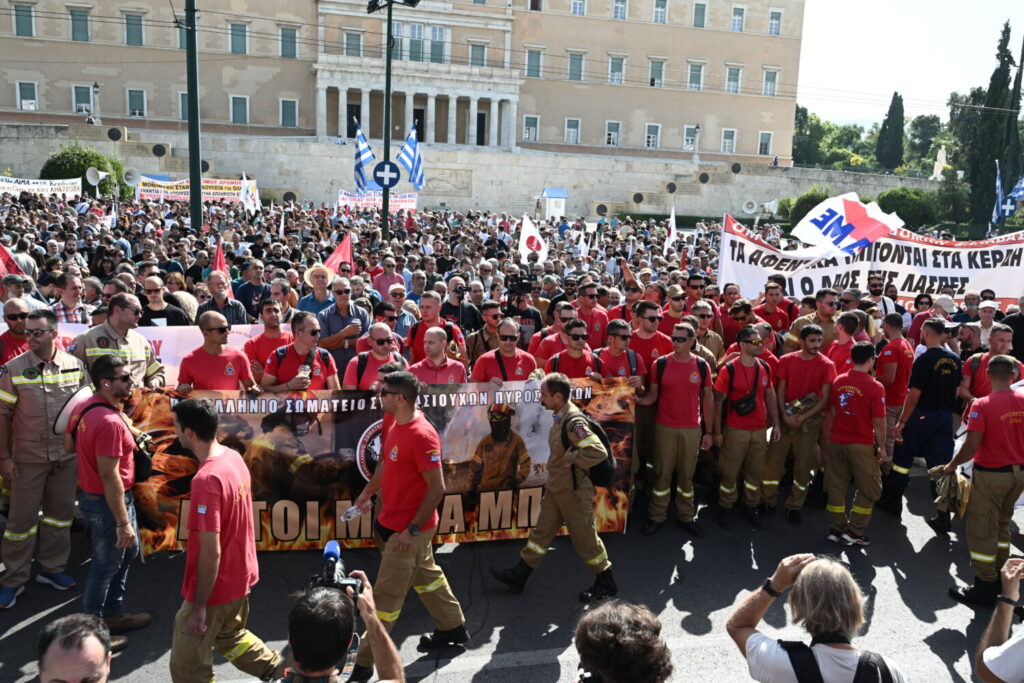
(459, 311)
(520, 306)
(321, 629)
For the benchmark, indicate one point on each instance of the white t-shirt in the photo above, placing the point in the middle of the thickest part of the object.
(1007, 660)
(769, 663)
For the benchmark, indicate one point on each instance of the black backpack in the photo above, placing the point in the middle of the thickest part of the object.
(702, 365)
(871, 668)
(282, 351)
(364, 359)
(597, 362)
(449, 329)
(602, 473)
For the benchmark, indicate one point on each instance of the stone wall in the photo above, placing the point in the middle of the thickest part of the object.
(457, 176)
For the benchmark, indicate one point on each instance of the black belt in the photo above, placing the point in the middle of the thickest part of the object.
(1004, 468)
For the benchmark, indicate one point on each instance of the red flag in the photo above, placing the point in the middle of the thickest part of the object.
(220, 264)
(8, 266)
(342, 254)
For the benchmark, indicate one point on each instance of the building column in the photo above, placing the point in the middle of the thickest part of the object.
(471, 129)
(408, 114)
(320, 34)
(453, 108)
(513, 124)
(364, 111)
(492, 134)
(342, 109)
(321, 111)
(428, 122)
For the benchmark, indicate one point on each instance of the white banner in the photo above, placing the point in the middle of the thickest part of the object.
(844, 225)
(914, 263)
(373, 199)
(214, 190)
(68, 186)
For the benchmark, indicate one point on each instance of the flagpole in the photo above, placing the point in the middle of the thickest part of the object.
(386, 196)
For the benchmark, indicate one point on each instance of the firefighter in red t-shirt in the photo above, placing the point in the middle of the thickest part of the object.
(577, 360)
(361, 371)
(301, 366)
(214, 366)
(259, 347)
(975, 383)
(649, 344)
(508, 362)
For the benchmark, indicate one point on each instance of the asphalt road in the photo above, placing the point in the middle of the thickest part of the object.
(692, 586)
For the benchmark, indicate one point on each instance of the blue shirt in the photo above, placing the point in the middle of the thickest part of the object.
(311, 304)
(332, 321)
(404, 322)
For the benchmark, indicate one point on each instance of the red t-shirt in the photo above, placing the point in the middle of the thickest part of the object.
(900, 353)
(323, 367)
(101, 432)
(416, 345)
(451, 372)
(804, 376)
(549, 346)
(998, 417)
(767, 356)
(979, 384)
(12, 346)
(668, 323)
(729, 326)
(363, 343)
(681, 393)
(621, 311)
(839, 354)
(857, 397)
(220, 500)
(597, 326)
(618, 366)
(778, 319)
(571, 367)
(261, 346)
(742, 383)
(369, 372)
(408, 451)
(517, 369)
(538, 336)
(651, 349)
(224, 372)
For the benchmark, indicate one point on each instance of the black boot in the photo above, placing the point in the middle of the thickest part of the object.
(891, 501)
(725, 517)
(981, 594)
(439, 639)
(941, 523)
(515, 577)
(816, 496)
(754, 517)
(604, 587)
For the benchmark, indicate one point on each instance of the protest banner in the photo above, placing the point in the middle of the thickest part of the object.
(214, 189)
(67, 186)
(311, 453)
(914, 263)
(374, 199)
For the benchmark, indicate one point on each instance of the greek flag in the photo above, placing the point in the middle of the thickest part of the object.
(412, 160)
(997, 210)
(364, 155)
(1018, 190)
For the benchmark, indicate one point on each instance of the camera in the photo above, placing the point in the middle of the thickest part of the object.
(461, 289)
(332, 573)
(520, 285)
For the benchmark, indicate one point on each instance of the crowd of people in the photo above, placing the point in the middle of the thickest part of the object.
(738, 395)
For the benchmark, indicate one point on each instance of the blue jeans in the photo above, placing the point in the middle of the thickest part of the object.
(108, 567)
(929, 435)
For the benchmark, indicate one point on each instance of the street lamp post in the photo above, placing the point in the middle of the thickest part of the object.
(195, 169)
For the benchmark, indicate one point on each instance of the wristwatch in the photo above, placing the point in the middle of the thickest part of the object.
(767, 588)
(413, 529)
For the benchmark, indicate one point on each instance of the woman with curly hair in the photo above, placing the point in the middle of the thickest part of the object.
(619, 642)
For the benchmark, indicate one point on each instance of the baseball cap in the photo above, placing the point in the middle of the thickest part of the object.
(989, 304)
(674, 291)
(945, 303)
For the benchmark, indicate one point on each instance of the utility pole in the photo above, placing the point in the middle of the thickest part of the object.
(386, 196)
(195, 169)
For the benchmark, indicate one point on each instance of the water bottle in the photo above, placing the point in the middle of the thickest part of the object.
(351, 514)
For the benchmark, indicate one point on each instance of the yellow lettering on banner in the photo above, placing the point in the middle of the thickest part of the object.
(284, 521)
(258, 508)
(453, 520)
(529, 507)
(495, 510)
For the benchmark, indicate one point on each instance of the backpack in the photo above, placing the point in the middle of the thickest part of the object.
(702, 365)
(752, 396)
(593, 357)
(602, 473)
(282, 351)
(871, 668)
(449, 329)
(364, 359)
(142, 454)
(630, 358)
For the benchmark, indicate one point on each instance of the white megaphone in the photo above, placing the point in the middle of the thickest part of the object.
(132, 177)
(95, 176)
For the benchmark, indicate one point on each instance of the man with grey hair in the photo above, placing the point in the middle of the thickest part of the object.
(18, 287)
(342, 323)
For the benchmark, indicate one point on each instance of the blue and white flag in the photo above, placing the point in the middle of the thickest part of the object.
(364, 155)
(997, 210)
(1018, 190)
(412, 160)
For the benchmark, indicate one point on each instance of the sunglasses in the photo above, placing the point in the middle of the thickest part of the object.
(385, 392)
(652, 318)
(740, 319)
(705, 316)
(677, 298)
(634, 290)
(752, 342)
(846, 301)
(589, 296)
(340, 292)
(121, 378)
(577, 337)
(381, 342)
(830, 304)
(509, 337)
(314, 332)
(491, 316)
(223, 329)
(565, 320)
(681, 340)
(152, 291)
(621, 336)
(17, 316)
(346, 270)
(695, 286)
(39, 332)
(398, 295)
(389, 318)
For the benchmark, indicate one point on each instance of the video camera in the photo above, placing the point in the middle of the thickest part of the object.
(332, 574)
(518, 286)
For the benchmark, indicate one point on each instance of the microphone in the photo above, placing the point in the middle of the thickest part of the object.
(332, 551)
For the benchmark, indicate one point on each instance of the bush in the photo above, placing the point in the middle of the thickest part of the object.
(916, 207)
(785, 207)
(72, 161)
(807, 201)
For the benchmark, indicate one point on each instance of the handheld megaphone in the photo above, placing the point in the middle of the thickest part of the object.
(131, 177)
(95, 176)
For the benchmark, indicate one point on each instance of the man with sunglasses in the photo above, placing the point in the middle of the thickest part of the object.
(507, 363)
(342, 324)
(576, 360)
(118, 336)
(563, 312)
(624, 311)
(385, 312)
(876, 289)
(824, 316)
(361, 371)
(14, 340)
(34, 464)
(695, 285)
(301, 365)
(157, 312)
(703, 312)
(486, 338)
(618, 360)
(593, 315)
(672, 313)
(213, 366)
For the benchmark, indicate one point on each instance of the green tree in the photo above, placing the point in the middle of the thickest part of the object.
(808, 134)
(807, 201)
(913, 205)
(889, 149)
(922, 132)
(785, 207)
(72, 161)
(1013, 159)
(951, 198)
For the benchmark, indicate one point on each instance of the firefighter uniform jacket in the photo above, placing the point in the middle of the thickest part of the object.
(828, 329)
(585, 451)
(133, 348)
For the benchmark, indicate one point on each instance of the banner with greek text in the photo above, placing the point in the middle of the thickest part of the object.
(914, 263)
(374, 199)
(310, 455)
(214, 189)
(66, 186)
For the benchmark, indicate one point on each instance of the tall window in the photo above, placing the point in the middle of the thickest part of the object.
(353, 45)
(616, 70)
(774, 22)
(652, 136)
(611, 133)
(575, 66)
(133, 29)
(700, 12)
(478, 55)
(728, 140)
(182, 33)
(396, 40)
(533, 63)
(239, 39)
(137, 103)
(416, 43)
(690, 138)
(82, 101)
(579, 8)
(657, 73)
(289, 113)
(27, 97)
(738, 15)
(732, 79)
(289, 43)
(660, 11)
(23, 24)
(572, 131)
(79, 25)
(530, 126)
(437, 40)
(239, 110)
(771, 80)
(183, 106)
(695, 79)
(536, 6)
(619, 9)
(764, 144)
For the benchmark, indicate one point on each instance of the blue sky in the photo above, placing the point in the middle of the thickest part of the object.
(856, 53)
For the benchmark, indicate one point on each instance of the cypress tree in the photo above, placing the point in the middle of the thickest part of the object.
(889, 148)
(994, 121)
(1013, 151)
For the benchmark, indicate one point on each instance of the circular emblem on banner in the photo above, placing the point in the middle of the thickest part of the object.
(532, 243)
(368, 450)
(30, 373)
(103, 342)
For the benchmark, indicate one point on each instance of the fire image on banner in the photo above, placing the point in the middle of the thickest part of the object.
(311, 453)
